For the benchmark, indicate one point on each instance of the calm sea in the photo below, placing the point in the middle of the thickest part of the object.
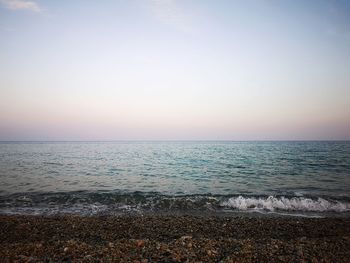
(92, 178)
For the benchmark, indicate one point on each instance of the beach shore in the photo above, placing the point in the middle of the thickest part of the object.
(173, 239)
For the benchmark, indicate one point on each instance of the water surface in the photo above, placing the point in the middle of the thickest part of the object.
(110, 177)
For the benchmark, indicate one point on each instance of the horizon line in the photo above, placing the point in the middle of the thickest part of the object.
(180, 140)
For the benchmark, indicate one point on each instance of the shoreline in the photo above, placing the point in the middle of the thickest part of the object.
(173, 238)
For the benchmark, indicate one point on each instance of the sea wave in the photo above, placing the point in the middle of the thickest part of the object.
(272, 203)
(109, 203)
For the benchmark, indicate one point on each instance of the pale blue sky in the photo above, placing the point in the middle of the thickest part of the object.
(174, 69)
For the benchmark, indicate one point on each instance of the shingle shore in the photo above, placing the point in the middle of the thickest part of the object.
(173, 239)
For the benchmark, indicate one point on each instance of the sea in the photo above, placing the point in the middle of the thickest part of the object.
(282, 178)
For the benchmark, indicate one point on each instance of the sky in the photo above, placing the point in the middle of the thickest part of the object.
(174, 70)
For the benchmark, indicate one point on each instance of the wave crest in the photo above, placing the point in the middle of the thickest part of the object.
(272, 203)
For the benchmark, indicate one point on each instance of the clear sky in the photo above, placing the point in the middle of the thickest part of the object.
(174, 69)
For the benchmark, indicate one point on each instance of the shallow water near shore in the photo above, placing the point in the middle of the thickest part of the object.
(89, 178)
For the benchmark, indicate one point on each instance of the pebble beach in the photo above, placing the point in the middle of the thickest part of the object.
(173, 238)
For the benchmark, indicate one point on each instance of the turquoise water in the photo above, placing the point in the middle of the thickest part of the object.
(117, 177)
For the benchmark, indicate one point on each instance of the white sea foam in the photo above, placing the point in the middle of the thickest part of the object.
(272, 203)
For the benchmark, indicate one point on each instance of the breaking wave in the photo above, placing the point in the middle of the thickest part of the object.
(272, 203)
(111, 203)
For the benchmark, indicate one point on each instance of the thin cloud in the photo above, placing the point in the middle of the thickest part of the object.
(21, 5)
(170, 13)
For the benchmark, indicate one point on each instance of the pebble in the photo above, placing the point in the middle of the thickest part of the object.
(140, 243)
(110, 244)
